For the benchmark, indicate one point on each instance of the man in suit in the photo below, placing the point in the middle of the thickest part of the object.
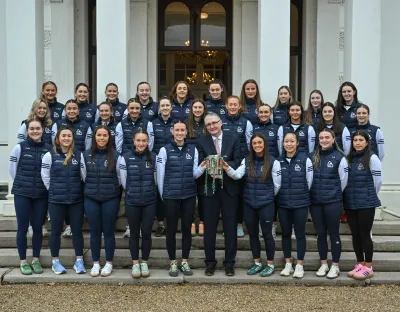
(224, 199)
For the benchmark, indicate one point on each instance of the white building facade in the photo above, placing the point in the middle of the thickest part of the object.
(306, 44)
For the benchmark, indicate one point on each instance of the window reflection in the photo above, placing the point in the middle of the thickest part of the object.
(177, 25)
(213, 25)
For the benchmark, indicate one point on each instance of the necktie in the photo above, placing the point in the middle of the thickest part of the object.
(217, 148)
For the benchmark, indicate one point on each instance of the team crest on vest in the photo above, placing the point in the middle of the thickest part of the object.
(148, 164)
(262, 168)
(187, 110)
(74, 161)
(105, 163)
(239, 129)
(301, 133)
(47, 130)
(88, 115)
(271, 133)
(297, 168)
(353, 115)
(117, 113)
(151, 112)
(56, 115)
(360, 166)
(78, 132)
(112, 132)
(188, 156)
(221, 111)
(329, 165)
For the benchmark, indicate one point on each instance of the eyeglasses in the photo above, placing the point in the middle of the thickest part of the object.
(213, 123)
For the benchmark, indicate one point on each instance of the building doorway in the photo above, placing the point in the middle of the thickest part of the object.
(195, 44)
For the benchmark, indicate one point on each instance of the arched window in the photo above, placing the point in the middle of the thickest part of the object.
(177, 25)
(213, 25)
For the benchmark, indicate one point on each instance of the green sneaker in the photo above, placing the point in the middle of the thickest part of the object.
(37, 267)
(26, 268)
(185, 268)
(173, 269)
(256, 268)
(268, 271)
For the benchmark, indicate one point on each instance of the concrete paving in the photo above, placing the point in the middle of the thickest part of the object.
(123, 277)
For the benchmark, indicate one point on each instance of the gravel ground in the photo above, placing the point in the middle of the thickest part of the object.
(78, 297)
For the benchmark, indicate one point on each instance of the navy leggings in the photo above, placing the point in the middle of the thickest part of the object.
(57, 216)
(102, 217)
(176, 209)
(326, 219)
(31, 210)
(140, 218)
(297, 218)
(159, 208)
(265, 217)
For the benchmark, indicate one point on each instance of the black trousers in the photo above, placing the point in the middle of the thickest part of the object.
(220, 202)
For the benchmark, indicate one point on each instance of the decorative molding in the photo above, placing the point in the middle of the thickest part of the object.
(341, 78)
(341, 40)
(336, 1)
(48, 76)
(47, 38)
(55, 1)
(46, 1)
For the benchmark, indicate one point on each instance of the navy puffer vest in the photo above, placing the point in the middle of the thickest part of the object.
(118, 110)
(79, 128)
(128, 130)
(162, 132)
(112, 125)
(326, 187)
(360, 190)
(65, 180)
(236, 125)
(181, 111)
(215, 106)
(270, 131)
(294, 191)
(28, 181)
(46, 137)
(87, 112)
(302, 134)
(371, 131)
(280, 114)
(140, 184)
(56, 110)
(179, 182)
(198, 130)
(256, 192)
(338, 136)
(348, 117)
(149, 111)
(251, 114)
(100, 185)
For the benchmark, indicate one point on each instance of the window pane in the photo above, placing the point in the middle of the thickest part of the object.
(294, 25)
(177, 25)
(213, 25)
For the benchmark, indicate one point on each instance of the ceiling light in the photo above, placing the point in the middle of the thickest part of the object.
(203, 15)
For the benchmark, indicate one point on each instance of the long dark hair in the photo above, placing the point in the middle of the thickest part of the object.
(340, 101)
(266, 173)
(243, 96)
(221, 84)
(147, 151)
(367, 155)
(172, 94)
(110, 151)
(316, 156)
(191, 119)
(336, 126)
(295, 103)
(308, 114)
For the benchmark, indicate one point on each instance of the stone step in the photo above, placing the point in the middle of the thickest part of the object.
(385, 228)
(381, 243)
(383, 262)
(123, 277)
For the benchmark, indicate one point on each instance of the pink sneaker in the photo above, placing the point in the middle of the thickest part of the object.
(364, 273)
(357, 267)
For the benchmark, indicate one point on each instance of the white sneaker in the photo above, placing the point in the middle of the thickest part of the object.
(67, 233)
(287, 270)
(95, 271)
(107, 270)
(136, 273)
(293, 234)
(127, 233)
(333, 272)
(298, 271)
(29, 234)
(323, 269)
(273, 230)
(45, 233)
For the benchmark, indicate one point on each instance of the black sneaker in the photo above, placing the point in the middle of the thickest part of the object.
(161, 230)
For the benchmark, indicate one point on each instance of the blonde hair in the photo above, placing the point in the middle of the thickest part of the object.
(47, 122)
(70, 151)
(316, 156)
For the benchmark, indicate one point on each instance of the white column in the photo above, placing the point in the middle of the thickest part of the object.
(152, 49)
(273, 47)
(81, 52)
(309, 49)
(249, 40)
(138, 43)
(25, 58)
(362, 50)
(62, 49)
(328, 32)
(112, 46)
(237, 47)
